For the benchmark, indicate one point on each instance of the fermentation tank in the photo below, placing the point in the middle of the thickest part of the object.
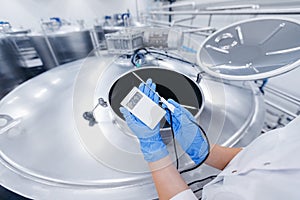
(11, 73)
(49, 150)
(62, 46)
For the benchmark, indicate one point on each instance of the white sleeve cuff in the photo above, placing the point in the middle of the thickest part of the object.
(186, 195)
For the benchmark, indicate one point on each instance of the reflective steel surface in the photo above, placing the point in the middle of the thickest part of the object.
(252, 49)
(58, 48)
(11, 73)
(48, 151)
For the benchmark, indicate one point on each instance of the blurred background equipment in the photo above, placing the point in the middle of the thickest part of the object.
(11, 65)
(124, 42)
(60, 42)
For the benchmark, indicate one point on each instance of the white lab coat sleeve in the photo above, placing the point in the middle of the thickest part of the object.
(186, 195)
(268, 168)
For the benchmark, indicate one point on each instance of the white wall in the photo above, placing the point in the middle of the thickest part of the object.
(27, 13)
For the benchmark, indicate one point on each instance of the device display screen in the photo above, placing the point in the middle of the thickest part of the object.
(134, 100)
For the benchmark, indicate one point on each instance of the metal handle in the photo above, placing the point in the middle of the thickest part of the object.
(266, 11)
(202, 29)
(10, 123)
(246, 6)
(7, 118)
(89, 115)
(177, 5)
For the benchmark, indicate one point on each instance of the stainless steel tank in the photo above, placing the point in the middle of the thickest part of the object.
(63, 46)
(11, 73)
(100, 37)
(48, 151)
(25, 50)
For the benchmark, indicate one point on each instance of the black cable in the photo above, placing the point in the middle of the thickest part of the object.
(173, 136)
(133, 57)
(136, 52)
(169, 56)
(197, 190)
(175, 149)
(133, 61)
(201, 180)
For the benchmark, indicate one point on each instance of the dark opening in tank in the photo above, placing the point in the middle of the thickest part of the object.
(169, 84)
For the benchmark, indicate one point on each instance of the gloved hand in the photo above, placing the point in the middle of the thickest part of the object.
(187, 133)
(151, 142)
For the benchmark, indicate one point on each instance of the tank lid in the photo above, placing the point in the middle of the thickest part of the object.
(252, 49)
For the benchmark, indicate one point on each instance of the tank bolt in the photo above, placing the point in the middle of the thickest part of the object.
(89, 116)
(102, 102)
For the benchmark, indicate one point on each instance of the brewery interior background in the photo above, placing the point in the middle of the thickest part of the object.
(25, 52)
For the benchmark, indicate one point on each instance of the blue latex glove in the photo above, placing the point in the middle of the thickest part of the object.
(151, 142)
(187, 133)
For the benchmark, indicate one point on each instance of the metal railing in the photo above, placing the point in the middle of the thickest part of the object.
(288, 97)
(238, 9)
(232, 7)
(180, 4)
(285, 111)
(279, 115)
(266, 11)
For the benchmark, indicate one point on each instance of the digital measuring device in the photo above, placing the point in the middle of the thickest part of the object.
(142, 107)
(169, 106)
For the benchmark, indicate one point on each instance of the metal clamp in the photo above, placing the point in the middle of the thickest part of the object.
(102, 103)
(199, 77)
(89, 115)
